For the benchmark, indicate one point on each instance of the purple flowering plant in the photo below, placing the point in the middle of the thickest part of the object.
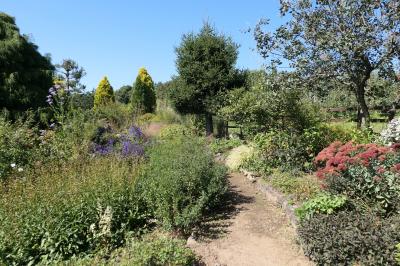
(127, 145)
(58, 100)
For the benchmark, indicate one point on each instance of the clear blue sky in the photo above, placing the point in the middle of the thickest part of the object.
(116, 38)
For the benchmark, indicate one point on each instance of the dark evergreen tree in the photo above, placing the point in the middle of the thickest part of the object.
(25, 75)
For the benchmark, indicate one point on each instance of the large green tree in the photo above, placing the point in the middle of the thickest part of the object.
(344, 40)
(25, 75)
(206, 68)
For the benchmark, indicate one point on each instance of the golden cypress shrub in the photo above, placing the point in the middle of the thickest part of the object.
(104, 93)
(143, 95)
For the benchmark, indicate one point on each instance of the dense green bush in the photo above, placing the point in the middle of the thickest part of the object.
(67, 210)
(223, 145)
(181, 181)
(17, 147)
(174, 131)
(323, 203)
(350, 238)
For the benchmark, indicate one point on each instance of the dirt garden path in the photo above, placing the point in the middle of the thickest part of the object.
(249, 231)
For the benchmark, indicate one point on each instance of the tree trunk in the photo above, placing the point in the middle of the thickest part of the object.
(209, 124)
(363, 113)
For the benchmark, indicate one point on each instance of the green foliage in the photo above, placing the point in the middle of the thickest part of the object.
(123, 95)
(69, 75)
(206, 67)
(268, 104)
(143, 96)
(175, 131)
(146, 118)
(398, 253)
(152, 249)
(223, 145)
(298, 188)
(350, 238)
(205, 64)
(181, 181)
(104, 94)
(322, 203)
(117, 114)
(17, 147)
(347, 51)
(161, 250)
(88, 204)
(25, 75)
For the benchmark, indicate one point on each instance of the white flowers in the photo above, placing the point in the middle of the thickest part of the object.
(391, 134)
(19, 169)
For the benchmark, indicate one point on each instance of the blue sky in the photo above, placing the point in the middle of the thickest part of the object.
(116, 38)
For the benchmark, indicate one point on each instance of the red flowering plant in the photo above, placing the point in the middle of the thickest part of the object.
(367, 173)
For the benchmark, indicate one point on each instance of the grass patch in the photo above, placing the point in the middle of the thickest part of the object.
(299, 188)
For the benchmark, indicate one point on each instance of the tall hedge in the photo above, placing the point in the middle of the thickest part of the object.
(104, 93)
(143, 94)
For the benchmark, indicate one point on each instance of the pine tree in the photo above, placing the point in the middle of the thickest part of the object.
(143, 96)
(104, 93)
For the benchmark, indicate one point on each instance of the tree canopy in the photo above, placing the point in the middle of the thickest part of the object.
(342, 40)
(206, 66)
(25, 75)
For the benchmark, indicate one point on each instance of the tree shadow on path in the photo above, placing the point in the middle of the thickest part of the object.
(215, 223)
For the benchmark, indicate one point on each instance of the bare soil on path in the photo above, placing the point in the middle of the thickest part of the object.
(248, 230)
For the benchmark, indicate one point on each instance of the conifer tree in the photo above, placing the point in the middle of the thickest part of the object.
(104, 93)
(143, 95)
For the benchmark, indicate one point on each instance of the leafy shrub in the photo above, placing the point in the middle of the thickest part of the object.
(391, 134)
(146, 118)
(299, 188)
(17, 146)
(322, 203)
(348, 238)
(116, 114)
(223, 145)
(152, 249)
(61, 211)
(161, 250)
(181, 181)
(398, 253)
(365, 172)
(104, 94)
(280, 149)
(174, 131)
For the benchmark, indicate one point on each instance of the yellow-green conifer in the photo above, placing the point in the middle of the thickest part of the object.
(104, 93)
(143, 95)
